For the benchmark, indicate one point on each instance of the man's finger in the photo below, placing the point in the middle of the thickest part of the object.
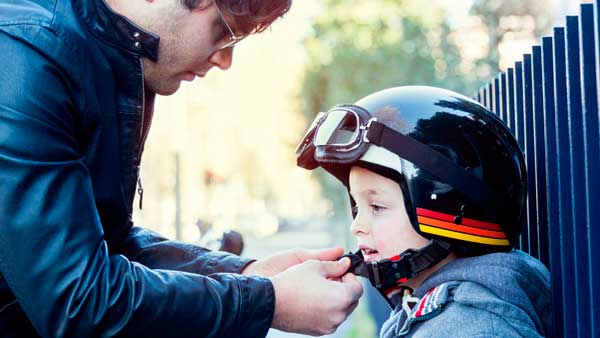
(349, 278)
(328, 254)
(352, 307)
(334, 269)
(353, 285)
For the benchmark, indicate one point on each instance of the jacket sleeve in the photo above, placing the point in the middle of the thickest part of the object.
(52, 249)
(154, 251)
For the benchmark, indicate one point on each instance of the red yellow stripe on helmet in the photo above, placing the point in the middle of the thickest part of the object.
(469, 230)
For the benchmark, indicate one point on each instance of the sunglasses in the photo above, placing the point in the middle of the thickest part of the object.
(232, 39)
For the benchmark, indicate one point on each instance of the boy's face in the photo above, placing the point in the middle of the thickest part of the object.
(382, 227)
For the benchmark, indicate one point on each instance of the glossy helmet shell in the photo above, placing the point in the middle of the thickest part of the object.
(469, 135)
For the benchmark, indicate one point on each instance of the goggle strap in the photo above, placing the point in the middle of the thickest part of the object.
(436, 164)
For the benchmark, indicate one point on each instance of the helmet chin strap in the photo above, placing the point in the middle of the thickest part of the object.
(387, 275)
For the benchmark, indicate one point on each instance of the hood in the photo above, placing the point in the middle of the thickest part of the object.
(514, 277)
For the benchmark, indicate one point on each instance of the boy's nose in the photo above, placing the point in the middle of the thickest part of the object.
(359, 225)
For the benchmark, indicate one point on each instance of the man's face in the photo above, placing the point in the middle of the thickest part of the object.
(189, 46)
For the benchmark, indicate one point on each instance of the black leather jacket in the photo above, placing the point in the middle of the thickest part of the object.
(72, 129)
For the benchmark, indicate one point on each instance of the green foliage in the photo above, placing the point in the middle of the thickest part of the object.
(526, 17)
(356, 50)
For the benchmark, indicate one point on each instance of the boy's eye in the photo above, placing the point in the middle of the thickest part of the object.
(377, 208)
(374, 208)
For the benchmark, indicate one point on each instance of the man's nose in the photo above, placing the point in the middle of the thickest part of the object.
(222, 58)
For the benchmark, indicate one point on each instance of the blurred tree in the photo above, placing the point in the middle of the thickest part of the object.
(508, 20)
(357, 48)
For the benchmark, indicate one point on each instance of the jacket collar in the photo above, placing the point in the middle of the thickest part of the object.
(117, 29)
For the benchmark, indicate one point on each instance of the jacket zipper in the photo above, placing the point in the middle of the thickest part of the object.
(140, 189)
(143, 135)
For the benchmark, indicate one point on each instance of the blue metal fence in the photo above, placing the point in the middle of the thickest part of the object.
(549, 100)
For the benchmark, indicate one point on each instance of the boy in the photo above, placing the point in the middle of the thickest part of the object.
(437, 187)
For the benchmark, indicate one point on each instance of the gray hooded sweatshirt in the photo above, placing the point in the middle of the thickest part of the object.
(497, 295)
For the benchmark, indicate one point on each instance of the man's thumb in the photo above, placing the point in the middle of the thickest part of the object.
(329, 254)
(335, 269)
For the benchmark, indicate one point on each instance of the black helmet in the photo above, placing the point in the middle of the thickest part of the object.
(460, 169)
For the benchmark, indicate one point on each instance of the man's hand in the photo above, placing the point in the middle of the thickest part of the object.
(279, 262)
(315, 297)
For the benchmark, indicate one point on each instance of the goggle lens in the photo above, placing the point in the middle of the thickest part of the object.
(340, 128)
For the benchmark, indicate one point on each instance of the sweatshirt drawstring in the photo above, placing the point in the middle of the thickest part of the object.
(408, 298)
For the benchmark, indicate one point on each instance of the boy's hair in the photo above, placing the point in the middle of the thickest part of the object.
(251, 16)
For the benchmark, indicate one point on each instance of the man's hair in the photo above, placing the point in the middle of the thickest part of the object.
(251, 16)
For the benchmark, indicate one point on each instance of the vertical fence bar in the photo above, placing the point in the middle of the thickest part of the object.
(490, 88)
(520, 133)
(496, 97)
(511, 99)
(483, 96)
(530, 154)
(563, 278)
(578, 191)
(550, 139)
(511, 102)
(503, 99)
(597, 43)
(592, 153)
(490, 96)
(539, 156)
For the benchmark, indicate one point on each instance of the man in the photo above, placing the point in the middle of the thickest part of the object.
(77, 87)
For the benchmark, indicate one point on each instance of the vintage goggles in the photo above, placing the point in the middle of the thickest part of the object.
(337, 136)
(344, 134)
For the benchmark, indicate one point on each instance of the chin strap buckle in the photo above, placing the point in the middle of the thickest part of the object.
(390, 272)
(359, 267)
(374, 274)
(382, 274)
